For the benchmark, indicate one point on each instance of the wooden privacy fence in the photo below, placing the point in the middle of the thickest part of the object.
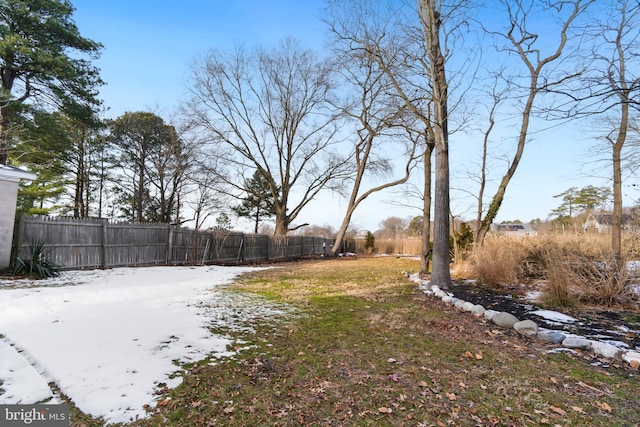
(84, 243)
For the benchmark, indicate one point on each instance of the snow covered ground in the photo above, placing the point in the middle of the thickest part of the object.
(107, 338)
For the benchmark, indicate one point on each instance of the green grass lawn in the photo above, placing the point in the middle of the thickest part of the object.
(365, 347)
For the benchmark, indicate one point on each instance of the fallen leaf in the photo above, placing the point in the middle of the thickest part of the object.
(578, 409)
(301, 353)
(451, 396)
(391, 360)
(605, 406)
(164, 402)
(635, 365)
(393, 377)
(423, 384)
(385, 410)
(479, 355)
(196, 403)
(229, 409)
(468, 354)
(558, 410)
(553, 380)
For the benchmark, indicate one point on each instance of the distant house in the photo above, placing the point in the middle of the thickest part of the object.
(514, 229)
(601, 223)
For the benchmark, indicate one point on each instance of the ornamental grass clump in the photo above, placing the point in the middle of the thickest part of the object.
(37, 265)
(497, 262)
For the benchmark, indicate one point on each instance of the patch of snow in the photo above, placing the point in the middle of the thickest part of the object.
(554, 316)
(116, 334)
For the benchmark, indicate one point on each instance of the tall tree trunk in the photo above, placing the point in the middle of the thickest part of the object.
(4, 145)
(616, 221)
(430, 16)
(426, 209)
(282, 224)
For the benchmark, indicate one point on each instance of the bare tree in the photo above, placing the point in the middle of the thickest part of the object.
(431, 19)
(618, 57)
(379, 118)
(405, 42)
(269, 111)
(539, 76)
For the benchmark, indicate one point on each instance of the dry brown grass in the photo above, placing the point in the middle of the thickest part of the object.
(497, 262)
(574, 268)
(394, 246)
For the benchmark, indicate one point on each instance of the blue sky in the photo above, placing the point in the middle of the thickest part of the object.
(150, 45)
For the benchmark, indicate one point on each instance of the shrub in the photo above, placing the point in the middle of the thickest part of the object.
(369, 242)
(37, 265)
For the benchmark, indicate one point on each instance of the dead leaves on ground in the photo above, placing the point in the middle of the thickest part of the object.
(476, 356)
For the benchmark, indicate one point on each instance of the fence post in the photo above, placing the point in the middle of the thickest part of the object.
(103, 247)
(241, 249)
(170, 246)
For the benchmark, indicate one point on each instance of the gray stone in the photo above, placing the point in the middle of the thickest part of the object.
(468, 306)
(459, 303)
(605, 350)
(447, 299)
(454, 300)
(435, 288)
(632, 357)
(440, 294)
(504, 319)
(576, 342)
(478, 310)
(488, 314)
(554, 337)
(527, 327)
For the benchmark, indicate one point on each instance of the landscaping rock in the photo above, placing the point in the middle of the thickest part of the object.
(605, 350)
(468, 306)
(459, 303)
(488, 314)
(447, 299)
(633, 358)
(576, 342)
(554, 337)
(478, 310)
(527, 327)
(504, 319)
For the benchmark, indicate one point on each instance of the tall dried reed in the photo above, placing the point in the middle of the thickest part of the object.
(573, 268)
(395, 246)
(497, 262)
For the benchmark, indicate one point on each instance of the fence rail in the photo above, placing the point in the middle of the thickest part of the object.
(81, 244)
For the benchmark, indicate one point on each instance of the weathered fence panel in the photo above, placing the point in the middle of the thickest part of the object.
(80, 244)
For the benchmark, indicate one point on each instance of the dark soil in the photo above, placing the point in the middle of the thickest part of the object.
(609, 326)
